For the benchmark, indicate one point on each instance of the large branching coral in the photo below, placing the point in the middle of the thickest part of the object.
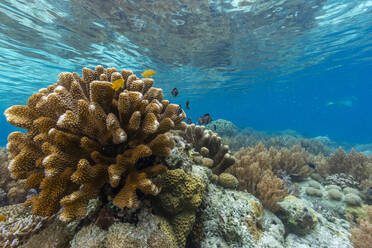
(81, 135)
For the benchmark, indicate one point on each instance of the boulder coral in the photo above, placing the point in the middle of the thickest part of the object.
(181, 196)
(81, 135)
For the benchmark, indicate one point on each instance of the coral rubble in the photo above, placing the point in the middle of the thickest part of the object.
(81, 135)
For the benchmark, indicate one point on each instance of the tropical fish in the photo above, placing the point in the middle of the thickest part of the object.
(117, 84)
(2, 218)
(311, 165)
(179, 110)
(174, 92)
(345, 102)
(188, 121)
(188, 104)
(148, 73)
(214, 127)
(205, 119)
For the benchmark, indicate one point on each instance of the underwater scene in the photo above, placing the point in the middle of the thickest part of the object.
(186, 123)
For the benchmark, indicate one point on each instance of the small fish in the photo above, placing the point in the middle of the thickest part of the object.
(188, 121)
(174, 92)
(117, 84)
(205, 119)
(311, 165)
(3, 218)
(179, 110)
(148, 73)
(214, 127)
(188, 104)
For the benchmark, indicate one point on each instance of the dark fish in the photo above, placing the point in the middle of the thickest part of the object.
(187, 104)
(179, 110)
(188, 121)
(174, 92)
(214, 127)
(311, 165)
(205, 119)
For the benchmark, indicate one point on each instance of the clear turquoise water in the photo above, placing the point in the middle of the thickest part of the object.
(270, 65)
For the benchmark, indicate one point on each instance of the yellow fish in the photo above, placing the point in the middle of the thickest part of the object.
(117, 84)
(2, 218)
(148, 73)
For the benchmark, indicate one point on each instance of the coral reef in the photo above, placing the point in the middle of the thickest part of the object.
(56, 234)
(19, 225)
(227, 180)
(209, 145)
(271, 190)
(343, 180)
(296, 162)
(181, 195)
(250, 137)
(250, 167)
(352, 199)
(223, 127)
(335, 194)
(89, 236)
(150, 231)
(297, 216)
(354, 165)
(232, 225)
(11, 191)
(310, 191)
(81, 135)
(361, 233)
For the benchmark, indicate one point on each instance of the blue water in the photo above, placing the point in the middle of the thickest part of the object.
(270, 65)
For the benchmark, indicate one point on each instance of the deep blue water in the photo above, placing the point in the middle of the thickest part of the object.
(270, 65)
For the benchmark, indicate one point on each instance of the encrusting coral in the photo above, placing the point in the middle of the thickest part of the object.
(181, 196)
(81, 135)
(209, 145)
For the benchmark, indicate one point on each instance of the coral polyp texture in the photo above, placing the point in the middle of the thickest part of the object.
(82, 134)
(210, 146)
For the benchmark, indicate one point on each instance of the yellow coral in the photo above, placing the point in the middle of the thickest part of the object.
(82, 134)
(181, 195)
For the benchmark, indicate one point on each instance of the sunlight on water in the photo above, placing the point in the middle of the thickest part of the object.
(203, 47)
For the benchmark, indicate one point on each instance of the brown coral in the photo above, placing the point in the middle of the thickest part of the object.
(361, 234)
(81, 134)
(358, 165)
(258, 168)
(271, 190)
(11, 191)
(210, 145)
(181, 196)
